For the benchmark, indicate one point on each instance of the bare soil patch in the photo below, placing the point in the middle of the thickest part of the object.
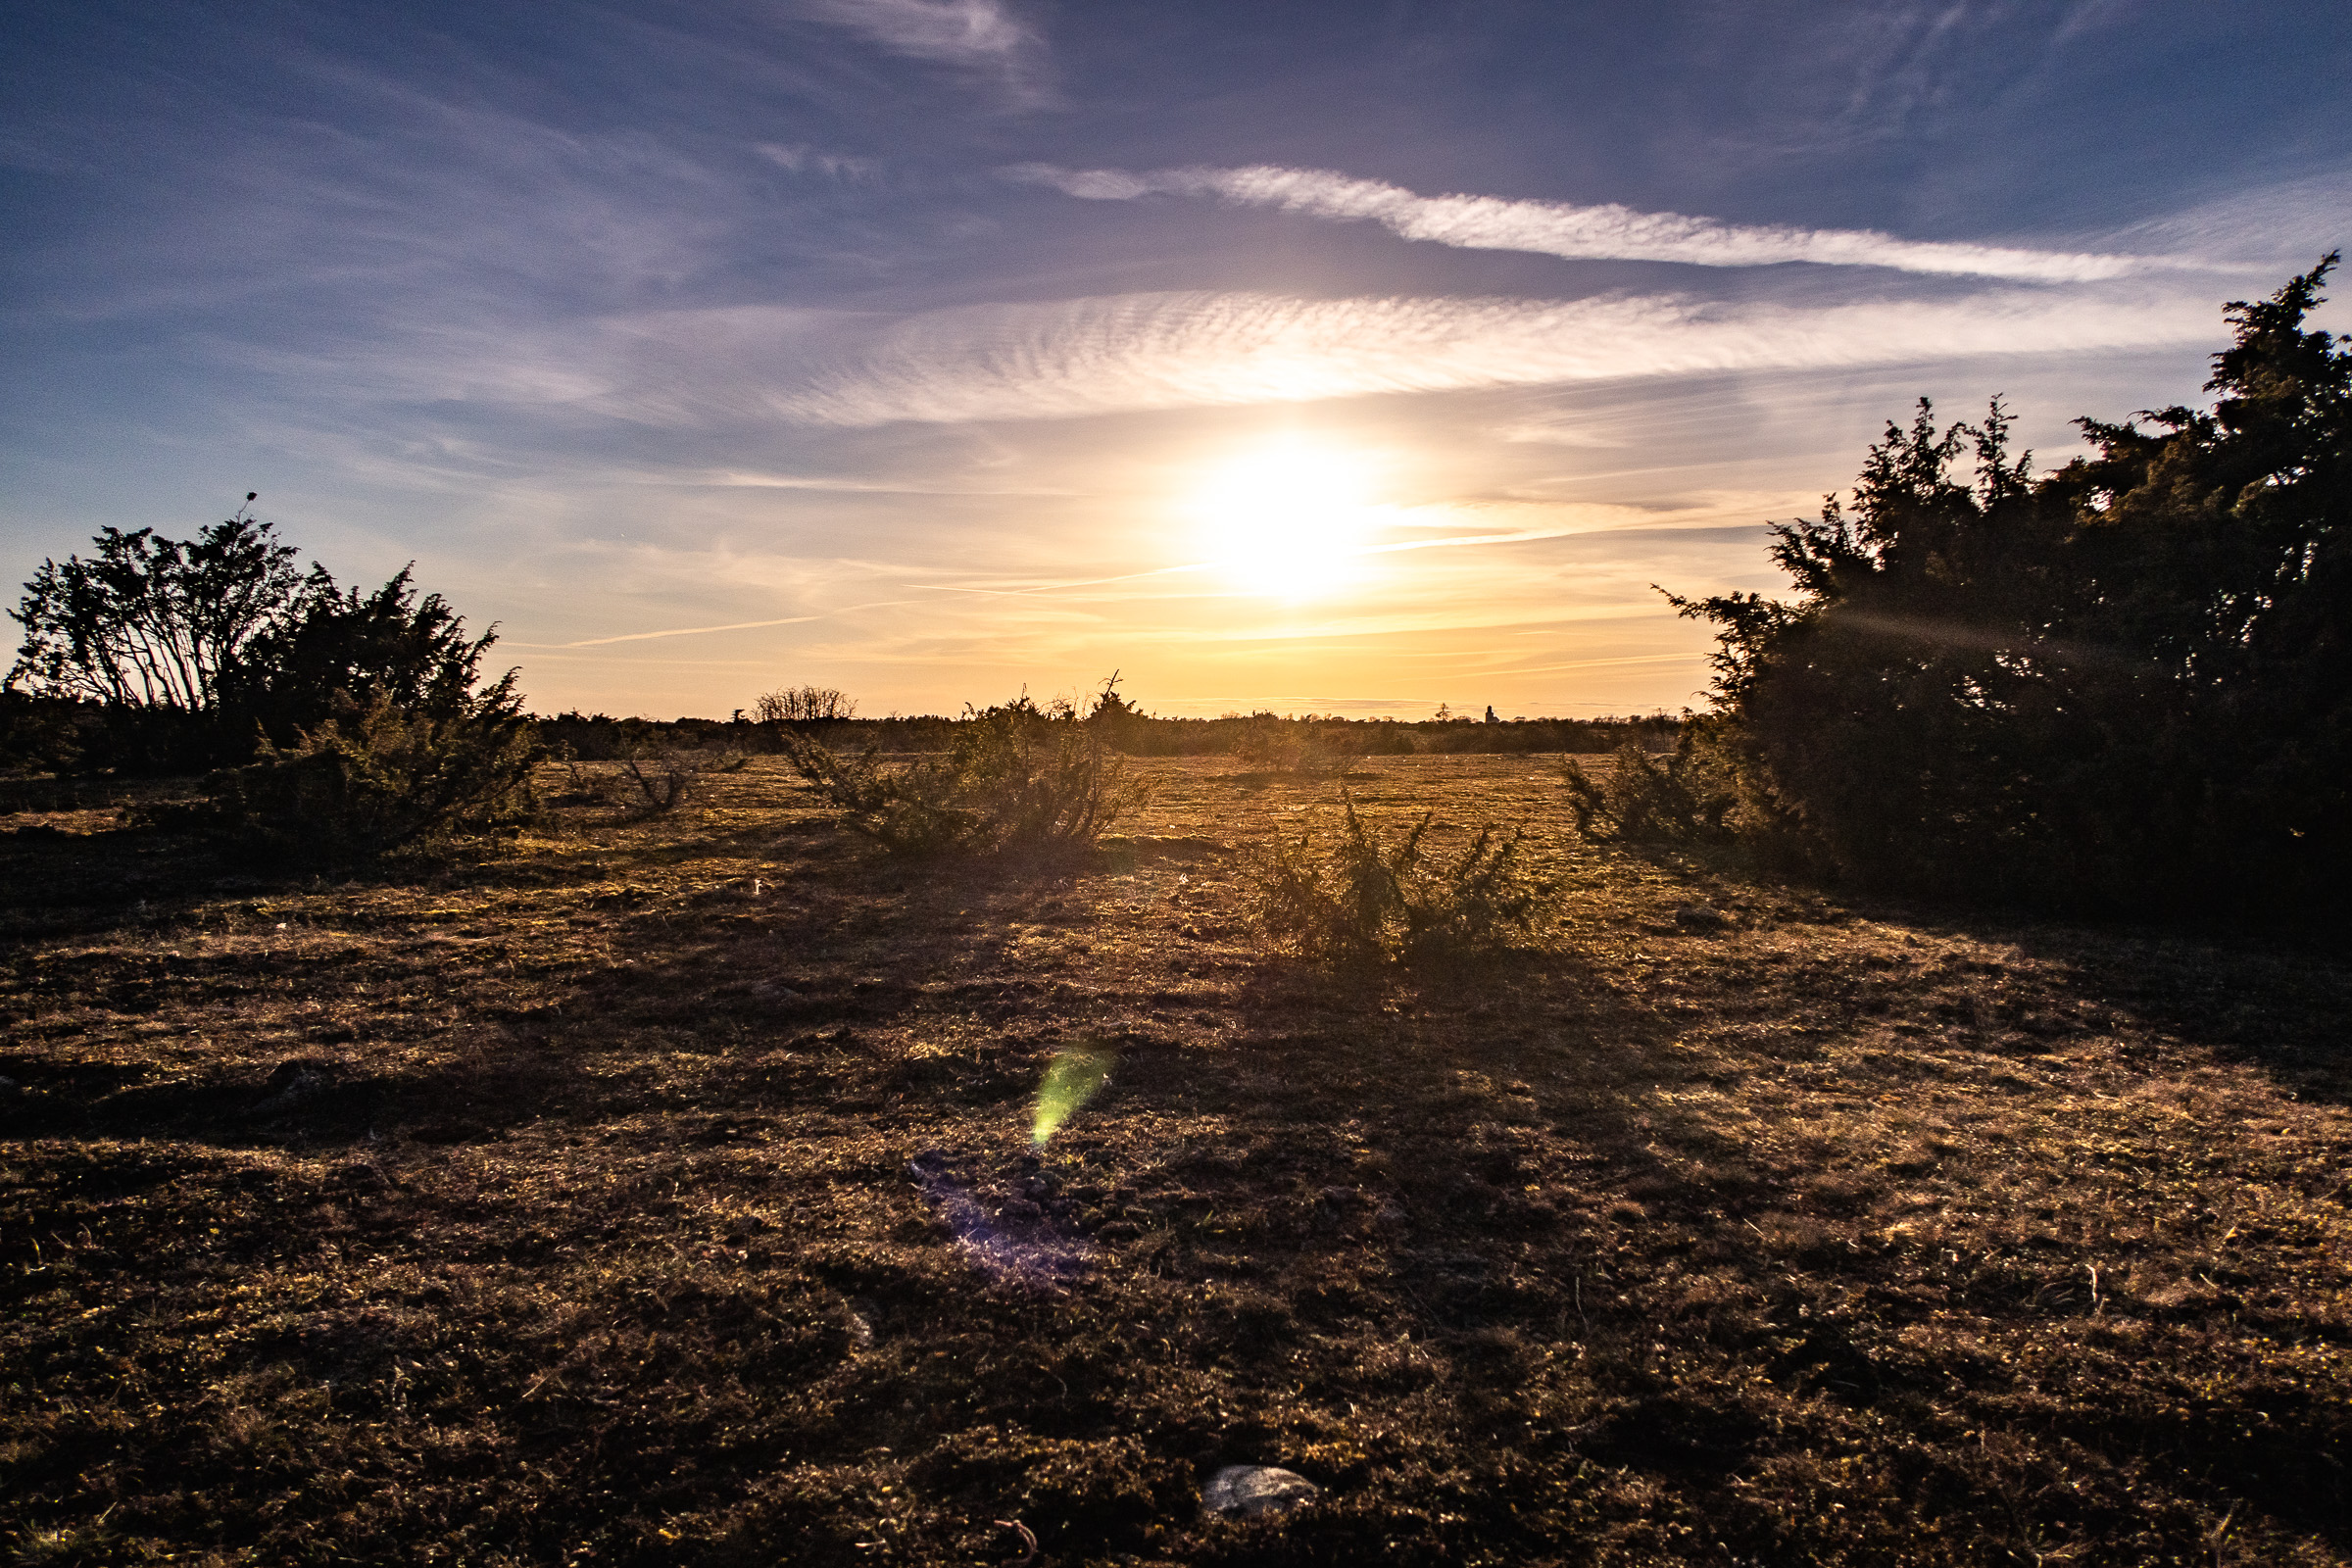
(661, 1191)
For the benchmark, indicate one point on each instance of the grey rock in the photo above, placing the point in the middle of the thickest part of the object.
(293, 1083)
(1701, 917)
(1249, 1490)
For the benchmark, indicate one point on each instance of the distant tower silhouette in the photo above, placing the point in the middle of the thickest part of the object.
(1491, 718)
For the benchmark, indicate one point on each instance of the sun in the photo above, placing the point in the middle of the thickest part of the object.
(1286, 520)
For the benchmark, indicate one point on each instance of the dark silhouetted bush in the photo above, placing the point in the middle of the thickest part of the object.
(374, 779)
(1700, 796)
(2125, 685)
(47, 734)
(150, 622)
(804, 705)
(334, 646)
(190, 654)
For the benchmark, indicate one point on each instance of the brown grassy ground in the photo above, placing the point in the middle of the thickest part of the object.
(660, 1193)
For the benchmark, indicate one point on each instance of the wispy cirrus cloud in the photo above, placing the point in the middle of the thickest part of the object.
(978, 36)
(800, 158)
(1580, 232)
(742, 368)
(1162, 351)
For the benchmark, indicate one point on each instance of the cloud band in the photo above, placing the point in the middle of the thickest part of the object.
(1596, 232)
(1160, 351)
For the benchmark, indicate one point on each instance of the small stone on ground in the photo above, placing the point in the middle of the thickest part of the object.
(1255, 1488)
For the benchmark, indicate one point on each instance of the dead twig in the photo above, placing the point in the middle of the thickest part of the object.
(1028, 1541)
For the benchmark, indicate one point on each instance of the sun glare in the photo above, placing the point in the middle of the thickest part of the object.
(1288, 519)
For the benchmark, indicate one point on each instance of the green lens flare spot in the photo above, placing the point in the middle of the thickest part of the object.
(1076, 1077)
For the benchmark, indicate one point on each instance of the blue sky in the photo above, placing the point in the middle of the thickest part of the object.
(1333, 357)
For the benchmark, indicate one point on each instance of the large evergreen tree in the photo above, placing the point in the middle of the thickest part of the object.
(2130, 681)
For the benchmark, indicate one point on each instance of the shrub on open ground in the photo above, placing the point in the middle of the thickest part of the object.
(1363, 900)
(1014, 778)
(1644, 800)
(580, 786)
(1277, 746)
(804, 705)
(378, 778)
(1697, 793)
(665, 780)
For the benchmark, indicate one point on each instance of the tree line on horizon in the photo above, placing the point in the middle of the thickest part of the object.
(1263, 736)
(332, 721)
(157, 657)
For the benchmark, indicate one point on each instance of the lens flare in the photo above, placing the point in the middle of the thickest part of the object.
(1076, 1077)
(1026, 1254)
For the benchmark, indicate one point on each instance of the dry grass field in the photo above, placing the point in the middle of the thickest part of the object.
(661, 1190)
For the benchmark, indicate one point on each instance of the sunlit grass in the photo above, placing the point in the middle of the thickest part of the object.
(663, 1173)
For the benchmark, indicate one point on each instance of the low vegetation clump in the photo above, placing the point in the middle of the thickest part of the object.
(339, 724)
(1365, 900)
(665, 780)
(804, 705)
(375, 779)
(1686, 797)
(1271, 745)
(1014, 778)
